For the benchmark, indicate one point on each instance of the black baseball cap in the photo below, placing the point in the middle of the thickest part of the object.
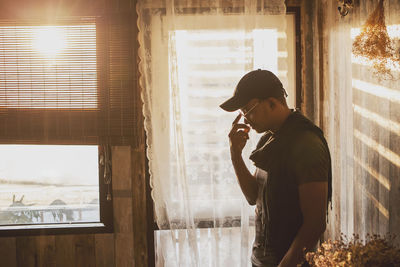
(255, 84)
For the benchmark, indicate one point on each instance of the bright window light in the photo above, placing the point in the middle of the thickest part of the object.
(48, 184)
(48, 67)
(209, 64)
(266, 40)
(49, 40)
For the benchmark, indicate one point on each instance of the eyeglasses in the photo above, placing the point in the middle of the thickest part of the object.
(250, 110)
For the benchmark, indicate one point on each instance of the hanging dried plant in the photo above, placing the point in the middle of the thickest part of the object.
(374, 44)
(344, 7)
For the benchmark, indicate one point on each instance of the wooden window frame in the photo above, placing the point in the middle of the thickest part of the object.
(105, 209)
(106, 206)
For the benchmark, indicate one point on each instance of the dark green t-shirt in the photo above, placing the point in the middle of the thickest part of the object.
(310, 159)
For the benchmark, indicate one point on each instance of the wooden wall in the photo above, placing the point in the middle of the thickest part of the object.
(127, 246)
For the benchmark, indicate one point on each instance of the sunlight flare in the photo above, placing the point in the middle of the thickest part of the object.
(49, 40)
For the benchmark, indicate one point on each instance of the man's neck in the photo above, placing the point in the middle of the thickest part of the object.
(281, 119)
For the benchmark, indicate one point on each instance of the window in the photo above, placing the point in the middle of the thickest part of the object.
(66, 95)
(52, 187)
(210, 62)
(192, 56)
(69, 176)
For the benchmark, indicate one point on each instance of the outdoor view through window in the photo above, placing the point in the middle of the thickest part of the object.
(48, 184)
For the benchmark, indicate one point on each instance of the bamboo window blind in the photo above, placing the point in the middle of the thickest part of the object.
(68, 82)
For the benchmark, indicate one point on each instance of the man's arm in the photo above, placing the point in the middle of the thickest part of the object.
(246, 180)
(313, 204)
(238, 137)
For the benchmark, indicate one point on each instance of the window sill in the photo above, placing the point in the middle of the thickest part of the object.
(53, 229)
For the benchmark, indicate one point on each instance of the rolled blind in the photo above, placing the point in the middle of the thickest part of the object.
(58, 82)
(121, 78)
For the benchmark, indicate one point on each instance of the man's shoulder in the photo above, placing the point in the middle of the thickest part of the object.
(310, 159)
(308, 143)
(308, 136)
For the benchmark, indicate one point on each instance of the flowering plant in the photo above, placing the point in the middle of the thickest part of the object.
(375, 251)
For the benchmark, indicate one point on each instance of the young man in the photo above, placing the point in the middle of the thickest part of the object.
(291, 186)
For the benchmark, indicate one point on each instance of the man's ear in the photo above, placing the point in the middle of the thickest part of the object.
(271, 102)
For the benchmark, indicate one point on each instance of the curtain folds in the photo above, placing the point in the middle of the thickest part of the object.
(192, 53)
(359, 116)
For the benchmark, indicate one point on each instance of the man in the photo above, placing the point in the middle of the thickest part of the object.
(291, 186)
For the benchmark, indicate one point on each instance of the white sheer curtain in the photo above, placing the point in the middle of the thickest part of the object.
(192, 54)
(360, 118)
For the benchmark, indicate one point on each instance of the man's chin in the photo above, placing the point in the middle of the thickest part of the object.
(259, 130)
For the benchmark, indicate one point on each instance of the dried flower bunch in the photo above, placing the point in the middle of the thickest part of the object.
(376, 251)
(375, 44)
(344, 7)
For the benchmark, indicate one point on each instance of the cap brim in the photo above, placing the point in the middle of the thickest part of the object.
(232, 104)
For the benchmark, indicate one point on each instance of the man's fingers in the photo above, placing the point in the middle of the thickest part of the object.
(238, 126)
(236, 120)
(243, 134)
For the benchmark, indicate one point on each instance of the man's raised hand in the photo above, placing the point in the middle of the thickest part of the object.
(238, 136)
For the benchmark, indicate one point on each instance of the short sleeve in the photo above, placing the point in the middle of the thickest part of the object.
(310, 159)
